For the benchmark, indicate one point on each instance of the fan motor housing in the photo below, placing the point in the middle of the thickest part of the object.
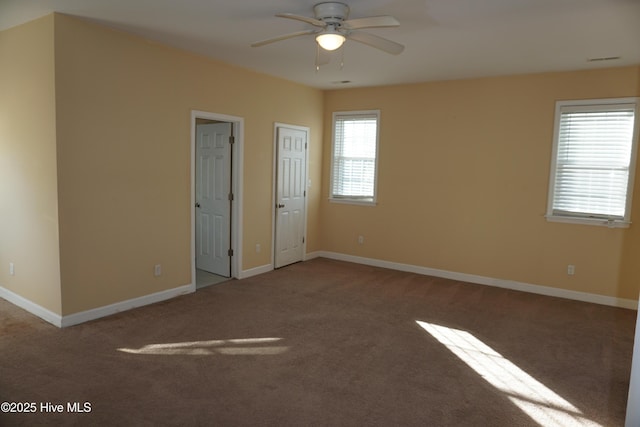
(331, 12)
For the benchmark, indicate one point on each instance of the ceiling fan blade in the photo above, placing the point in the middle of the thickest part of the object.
(283, 37)
(371, 22)
(377, 42)
(312, 21)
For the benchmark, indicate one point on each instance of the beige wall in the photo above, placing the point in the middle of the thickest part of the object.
(463, 175)
(123, 108)
(28, 191)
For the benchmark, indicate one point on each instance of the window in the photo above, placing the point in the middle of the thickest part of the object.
(593, 161)
(354, 157)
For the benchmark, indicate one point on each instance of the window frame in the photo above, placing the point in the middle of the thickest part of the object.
(577, 105)
(369, 201)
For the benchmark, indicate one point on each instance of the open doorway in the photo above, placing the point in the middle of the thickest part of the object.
(216, 199)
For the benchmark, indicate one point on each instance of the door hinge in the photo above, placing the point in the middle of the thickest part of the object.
(230, 252)
(231, 197)
(305, 145)
(232, 139)
(303, 239)
(304, 193)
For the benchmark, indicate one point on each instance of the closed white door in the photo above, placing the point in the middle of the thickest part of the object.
(290, 195)
(213, 204)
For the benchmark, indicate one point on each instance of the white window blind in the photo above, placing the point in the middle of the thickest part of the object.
(355, 146)
(592, 172)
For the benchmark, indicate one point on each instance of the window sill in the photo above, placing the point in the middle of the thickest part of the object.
(618, 223)
(361, 202)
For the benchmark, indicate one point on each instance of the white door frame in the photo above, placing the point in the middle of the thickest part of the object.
(236, 188)
(274, 188)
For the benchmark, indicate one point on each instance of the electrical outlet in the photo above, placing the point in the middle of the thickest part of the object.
(360, 240)
(12, 270)
(258, 247)
(157, 270)
(571, 269)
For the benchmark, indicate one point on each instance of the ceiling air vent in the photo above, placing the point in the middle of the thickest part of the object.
(603, 58)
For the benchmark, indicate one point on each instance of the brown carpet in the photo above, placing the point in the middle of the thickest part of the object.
(323, 343)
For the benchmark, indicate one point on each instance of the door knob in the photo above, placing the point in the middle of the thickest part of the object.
(281, 206)
(197, 205)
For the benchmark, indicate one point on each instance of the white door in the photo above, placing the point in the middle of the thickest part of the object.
(213, 204)
(290, 195)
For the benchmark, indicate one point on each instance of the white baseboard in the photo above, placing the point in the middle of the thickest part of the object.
(482, 280)
(269, 267)
(31, 307)
(96, 313)
(255, 271)
(312, 255)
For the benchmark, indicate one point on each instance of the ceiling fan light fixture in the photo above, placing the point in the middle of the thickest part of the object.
(330, 40)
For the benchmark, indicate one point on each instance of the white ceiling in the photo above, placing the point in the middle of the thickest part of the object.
(444, 39)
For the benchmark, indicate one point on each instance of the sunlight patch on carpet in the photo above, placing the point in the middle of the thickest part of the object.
(240, 346)
(539, 402)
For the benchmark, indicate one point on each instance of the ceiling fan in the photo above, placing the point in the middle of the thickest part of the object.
(333, 28)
